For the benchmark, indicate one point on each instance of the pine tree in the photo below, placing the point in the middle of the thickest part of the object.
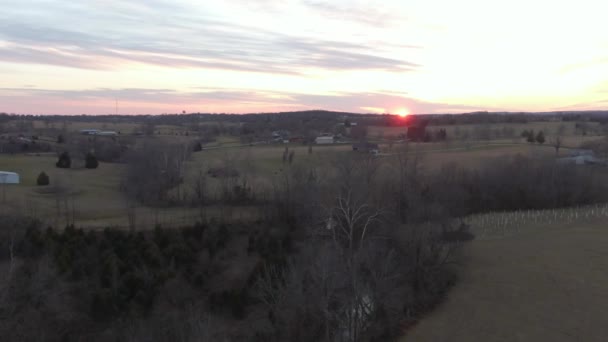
(91, 161)
(530, 138)
(64, 161)
(540, 137)
(43, 179)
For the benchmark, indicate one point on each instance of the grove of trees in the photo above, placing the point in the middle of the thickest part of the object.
(349, 248)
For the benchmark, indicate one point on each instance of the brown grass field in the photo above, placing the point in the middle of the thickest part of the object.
(534, 276)
(97, 200)
(545, 282)
(548, 127)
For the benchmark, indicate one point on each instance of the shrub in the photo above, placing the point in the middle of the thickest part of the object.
(540, 137)
(64, 161)
(91, 161)
(43, 179)
(531, 138)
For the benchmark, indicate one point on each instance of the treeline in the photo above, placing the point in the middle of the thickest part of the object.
(286, 120)
(71, 284)
(352, 250)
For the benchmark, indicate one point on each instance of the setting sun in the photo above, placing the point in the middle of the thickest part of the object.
(403, 112)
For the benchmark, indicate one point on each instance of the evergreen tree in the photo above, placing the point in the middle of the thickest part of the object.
(531, 138)
(90, 161)
(540, 137)
(43, 179)
(64, 161)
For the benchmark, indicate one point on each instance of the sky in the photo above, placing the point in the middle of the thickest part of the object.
(247, 56)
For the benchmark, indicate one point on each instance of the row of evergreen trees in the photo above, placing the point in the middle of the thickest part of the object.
(533, 138)
(65, 161)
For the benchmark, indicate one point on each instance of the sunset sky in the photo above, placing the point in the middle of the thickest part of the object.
(237, 56)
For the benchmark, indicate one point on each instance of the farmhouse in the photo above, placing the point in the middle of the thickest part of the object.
(7, 177)
(324, 140)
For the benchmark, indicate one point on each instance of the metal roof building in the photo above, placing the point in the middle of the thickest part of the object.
(7, 177)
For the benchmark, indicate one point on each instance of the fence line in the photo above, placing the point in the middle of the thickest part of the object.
(498, 224)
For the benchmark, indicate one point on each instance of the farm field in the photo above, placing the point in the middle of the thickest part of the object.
(542, 281)
(95, 199)
(204, 222)
(548, 127)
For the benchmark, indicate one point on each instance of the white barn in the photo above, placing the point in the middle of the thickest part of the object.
(7, 177)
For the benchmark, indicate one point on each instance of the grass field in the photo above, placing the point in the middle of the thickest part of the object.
(506, 133)
(542, 282)
(98, 201)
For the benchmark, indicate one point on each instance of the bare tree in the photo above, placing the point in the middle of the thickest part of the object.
(406, 170)
(200, 192)
(349, 223)
(349, 220)
(556, 142)
(131, 208)
(153, 170)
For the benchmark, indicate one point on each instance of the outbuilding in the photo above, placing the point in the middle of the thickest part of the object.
(324, 140)
(7, 177)
(107, 133)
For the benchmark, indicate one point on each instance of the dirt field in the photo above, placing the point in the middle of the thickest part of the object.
(545, 283)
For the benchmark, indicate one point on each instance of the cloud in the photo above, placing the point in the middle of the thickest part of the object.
(586, 64)
(592, 105)
(355, 11)
(373, 101)
(107, 34)
(155, 101)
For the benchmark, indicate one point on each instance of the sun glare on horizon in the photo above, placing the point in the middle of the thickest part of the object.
(402, 112)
